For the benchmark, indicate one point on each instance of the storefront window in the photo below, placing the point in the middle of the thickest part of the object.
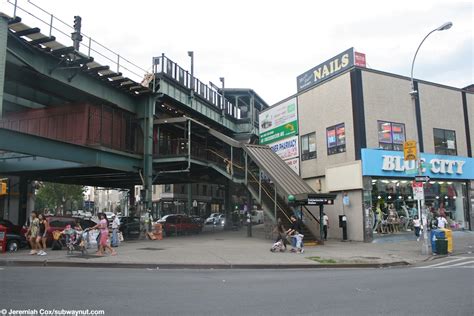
(444, 141)
(308, 146)
(336, 139)
(391, 135)
(394, 207)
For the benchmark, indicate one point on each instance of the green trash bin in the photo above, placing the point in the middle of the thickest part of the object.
(442, 246)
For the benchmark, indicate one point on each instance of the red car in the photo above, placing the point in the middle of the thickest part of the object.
(179, 224)
(12, 228)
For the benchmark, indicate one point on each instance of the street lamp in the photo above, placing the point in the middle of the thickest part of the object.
(445, 26)
(414, 95)
(191, 55)
(224, 109)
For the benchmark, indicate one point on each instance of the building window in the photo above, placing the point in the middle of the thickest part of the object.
(391, 135)
(204, 189)
(308, 146)
(183, 189)
(445, 142)
(336, 139)
(167, 188)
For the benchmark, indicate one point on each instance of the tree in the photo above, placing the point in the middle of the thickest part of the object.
(54, 195)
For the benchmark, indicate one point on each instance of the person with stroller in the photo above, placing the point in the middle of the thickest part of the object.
(295, 233)
(280, 241)
(103, 226)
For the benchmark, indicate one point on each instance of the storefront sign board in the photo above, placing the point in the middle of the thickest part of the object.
(278, 122)
(287, 148)
(385, 163)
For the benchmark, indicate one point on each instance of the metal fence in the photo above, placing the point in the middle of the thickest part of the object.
(32, 15)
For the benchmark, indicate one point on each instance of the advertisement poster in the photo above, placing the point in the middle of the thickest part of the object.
(287, 148)
(294, 164)
(278, 122)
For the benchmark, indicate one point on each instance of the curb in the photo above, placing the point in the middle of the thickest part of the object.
(178, 266)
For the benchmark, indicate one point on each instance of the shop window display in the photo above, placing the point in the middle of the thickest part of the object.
(394, 208)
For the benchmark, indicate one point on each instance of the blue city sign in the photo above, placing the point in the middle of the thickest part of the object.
(385, 163)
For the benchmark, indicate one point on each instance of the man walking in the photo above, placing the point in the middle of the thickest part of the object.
(325, 226)
(115, 230)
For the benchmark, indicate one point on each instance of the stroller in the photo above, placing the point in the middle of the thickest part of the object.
(279, 246)
(76, 241)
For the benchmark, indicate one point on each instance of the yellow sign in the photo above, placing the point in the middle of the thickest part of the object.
(3, 188)
(409, 150)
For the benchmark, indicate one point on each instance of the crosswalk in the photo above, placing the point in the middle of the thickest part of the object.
(459, 262)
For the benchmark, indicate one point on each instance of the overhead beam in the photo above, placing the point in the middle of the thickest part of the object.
(43, 63)
(39, 146)
(22, 101)
(3, 58)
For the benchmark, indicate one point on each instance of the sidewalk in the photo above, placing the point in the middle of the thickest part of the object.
(232, 249)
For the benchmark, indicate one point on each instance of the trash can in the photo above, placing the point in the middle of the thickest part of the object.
(435, 235)
(441, 246)
(448, 233)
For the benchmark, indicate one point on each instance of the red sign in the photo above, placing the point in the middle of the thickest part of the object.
(359, 59)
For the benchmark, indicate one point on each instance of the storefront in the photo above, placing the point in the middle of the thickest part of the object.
(389, 200)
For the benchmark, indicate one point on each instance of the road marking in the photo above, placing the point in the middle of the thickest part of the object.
(442, 263)
(456, 264)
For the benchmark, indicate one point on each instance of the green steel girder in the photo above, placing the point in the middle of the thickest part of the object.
(34, 163)
(95, 157)
(43, 63)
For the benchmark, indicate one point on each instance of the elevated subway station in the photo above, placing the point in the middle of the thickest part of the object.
(67, 118)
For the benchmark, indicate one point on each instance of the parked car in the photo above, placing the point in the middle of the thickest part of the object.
(197, 219)
(60, 222)
(179, 224)
(220, 220)
(12, 228)
(109, 215)
(130, 227)
(15, 241)
(211, 220)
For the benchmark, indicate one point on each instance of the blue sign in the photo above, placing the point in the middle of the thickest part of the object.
(384, 163)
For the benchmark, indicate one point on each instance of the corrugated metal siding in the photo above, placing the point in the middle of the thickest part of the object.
(277, 170)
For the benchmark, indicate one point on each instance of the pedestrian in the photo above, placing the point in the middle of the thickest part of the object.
(115, 231)
(104, 235)
(32, 233)
(325, 226)
(417, 226)
(281, 233)
(41, 239)
(295, 233)
(442, 222)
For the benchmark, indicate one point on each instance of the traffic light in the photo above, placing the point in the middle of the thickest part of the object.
(77, 23)
(3, 188)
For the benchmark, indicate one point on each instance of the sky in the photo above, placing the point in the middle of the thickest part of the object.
(264, 45)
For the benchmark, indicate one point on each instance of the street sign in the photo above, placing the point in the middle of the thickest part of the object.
(418, 192)
(422, 178)
(409, 150)
(319, 201)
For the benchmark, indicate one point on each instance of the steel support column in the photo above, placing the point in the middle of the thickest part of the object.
(3, 56)
(148, 151)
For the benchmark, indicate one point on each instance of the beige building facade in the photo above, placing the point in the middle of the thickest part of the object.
(356, 121)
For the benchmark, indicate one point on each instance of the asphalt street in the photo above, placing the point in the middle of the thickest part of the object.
(427, 290)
